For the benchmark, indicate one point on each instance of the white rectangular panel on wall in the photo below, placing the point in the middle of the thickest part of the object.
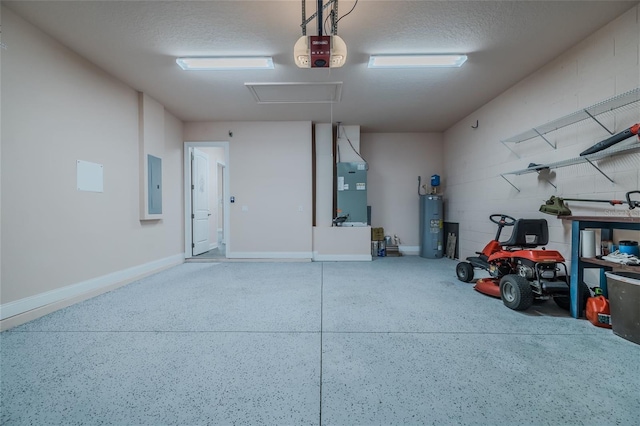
(90, 176)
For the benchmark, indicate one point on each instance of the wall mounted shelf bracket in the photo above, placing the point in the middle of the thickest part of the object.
(539, 174)
(539, 168)
(596, 120)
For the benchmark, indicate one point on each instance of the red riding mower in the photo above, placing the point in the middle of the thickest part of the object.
(519, 274)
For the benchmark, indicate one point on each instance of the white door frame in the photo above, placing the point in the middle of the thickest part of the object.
(188, 236)
(222, 196)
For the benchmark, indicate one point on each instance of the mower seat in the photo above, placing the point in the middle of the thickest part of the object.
(528, 233)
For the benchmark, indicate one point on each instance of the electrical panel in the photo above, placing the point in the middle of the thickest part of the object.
(352, 193)
(154, 170)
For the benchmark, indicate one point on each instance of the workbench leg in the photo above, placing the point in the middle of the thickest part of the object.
(603, 282)
(576, 271)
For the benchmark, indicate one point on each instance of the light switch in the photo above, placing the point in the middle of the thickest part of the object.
(300, 208)
(245, 208)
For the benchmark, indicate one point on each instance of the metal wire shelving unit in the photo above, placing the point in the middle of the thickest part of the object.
(626, 100)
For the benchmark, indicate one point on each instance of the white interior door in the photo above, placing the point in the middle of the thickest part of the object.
(200, 201)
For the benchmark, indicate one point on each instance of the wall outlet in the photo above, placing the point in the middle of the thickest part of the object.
(300, 208)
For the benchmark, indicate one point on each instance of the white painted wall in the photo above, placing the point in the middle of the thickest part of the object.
(601, 66)
(348, 144)
(342, 243)
(270, 178)
(150, 142)
(395, 162)
(324, 174)
(58, 108)
(335, 243)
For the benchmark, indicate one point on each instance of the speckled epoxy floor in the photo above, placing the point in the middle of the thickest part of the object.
(393, 341)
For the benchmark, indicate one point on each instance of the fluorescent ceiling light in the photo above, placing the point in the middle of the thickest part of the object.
(226, 63)
(416, 61)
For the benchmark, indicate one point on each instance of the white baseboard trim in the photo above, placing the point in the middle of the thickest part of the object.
(341, 257)
(269, 255)
(62, 294)
(409, 250)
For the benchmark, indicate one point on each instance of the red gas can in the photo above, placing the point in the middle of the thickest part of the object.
(598, 311)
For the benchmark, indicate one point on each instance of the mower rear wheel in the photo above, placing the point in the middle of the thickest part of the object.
(516, 292)
(464, 271)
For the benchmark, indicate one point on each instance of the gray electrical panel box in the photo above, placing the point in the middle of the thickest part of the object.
(154, 167)
(352, 193)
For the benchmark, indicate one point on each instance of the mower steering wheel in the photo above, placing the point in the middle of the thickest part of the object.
(502, 221)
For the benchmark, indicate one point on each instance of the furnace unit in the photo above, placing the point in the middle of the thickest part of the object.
(352, 193)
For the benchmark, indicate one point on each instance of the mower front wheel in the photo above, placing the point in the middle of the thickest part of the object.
(464, 271)
(516, 292)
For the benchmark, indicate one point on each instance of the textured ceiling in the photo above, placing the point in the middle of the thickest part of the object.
(138, 41)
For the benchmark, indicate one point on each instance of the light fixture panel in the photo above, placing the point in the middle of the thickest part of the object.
(215, 63)
(417, 61)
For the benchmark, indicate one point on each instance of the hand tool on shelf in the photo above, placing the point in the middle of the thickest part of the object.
(556, 206)
(618, 137)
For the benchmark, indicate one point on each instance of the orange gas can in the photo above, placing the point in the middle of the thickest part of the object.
(598, 311)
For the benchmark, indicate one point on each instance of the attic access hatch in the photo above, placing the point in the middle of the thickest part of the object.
(296, 93)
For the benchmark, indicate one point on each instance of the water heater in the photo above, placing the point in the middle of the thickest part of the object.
(431, 226)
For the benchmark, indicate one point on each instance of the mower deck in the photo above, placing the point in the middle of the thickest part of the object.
(488, 286)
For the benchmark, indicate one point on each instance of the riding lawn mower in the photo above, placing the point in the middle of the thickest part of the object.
(519, 273)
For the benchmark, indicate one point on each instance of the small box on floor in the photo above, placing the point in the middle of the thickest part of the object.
(377, 234)
(393, 251)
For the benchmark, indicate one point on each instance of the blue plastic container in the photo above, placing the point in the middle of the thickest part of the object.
(435, 180)
(629, 247)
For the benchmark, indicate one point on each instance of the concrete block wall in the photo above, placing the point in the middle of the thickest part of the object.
(603, 65)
